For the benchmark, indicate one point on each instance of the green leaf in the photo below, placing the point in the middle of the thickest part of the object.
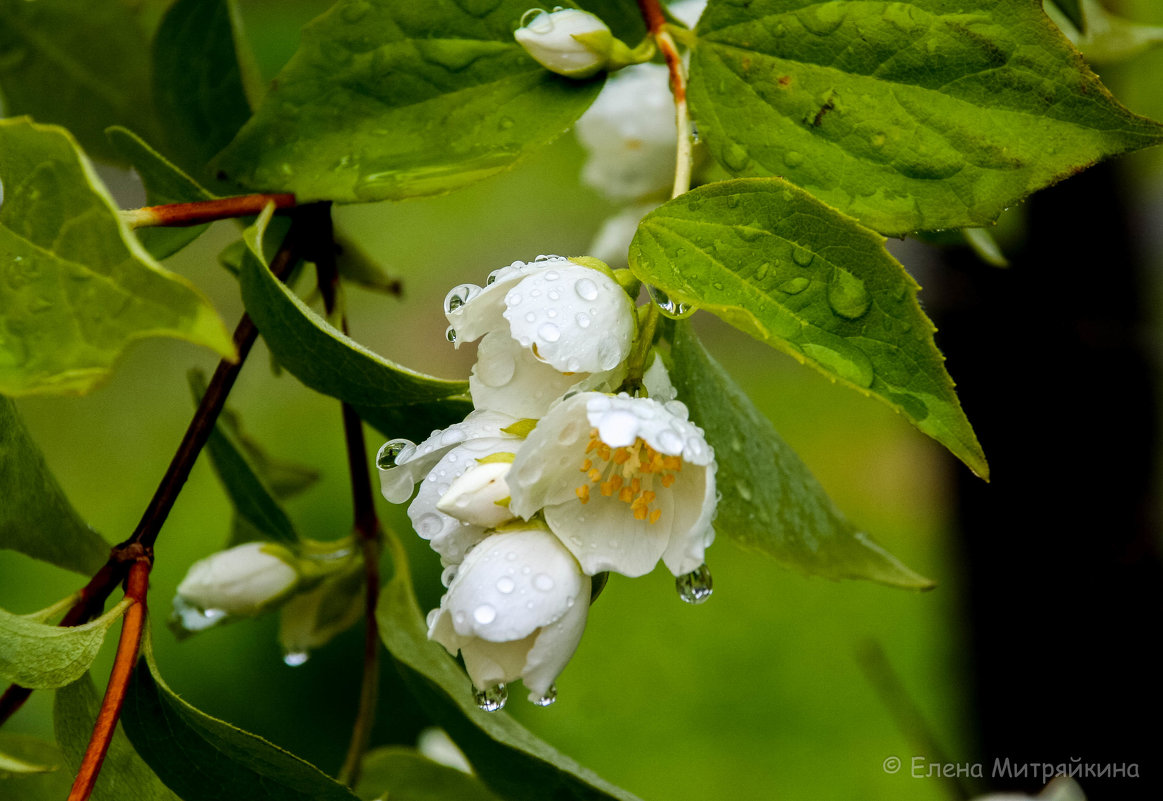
(82, 68)
(770, 502)
(906, 115)
(164, 183)
(42, 656)
(358, 267)
(783, 267)
(1072, 9)
(78, 286)
(36, 518)
(30, 769)
(390, 100)
(253, 502)
(398, 401)
(198, 82)
(124, 776)
(1108, 38)
(509, 758)
(402, 774)
(204, 759)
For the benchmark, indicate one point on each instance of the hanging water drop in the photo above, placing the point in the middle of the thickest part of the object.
(549, 697)
(392, 451)
(668, 305)
(450, 334)
(459, 295)
(695, 587)
(492, 699)
(295, 658)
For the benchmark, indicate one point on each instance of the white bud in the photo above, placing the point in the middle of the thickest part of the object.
(244, 580)
(479, 496)
(569, 41)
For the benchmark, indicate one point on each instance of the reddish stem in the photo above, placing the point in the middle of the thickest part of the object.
(204, 211)
(128, 647)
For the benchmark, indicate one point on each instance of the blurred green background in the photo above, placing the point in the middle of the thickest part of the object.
(759, 694)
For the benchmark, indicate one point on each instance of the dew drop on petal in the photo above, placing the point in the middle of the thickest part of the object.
(531, 317)
(552, 275)
(429, 526)
(618, 428)
(549, 332)
(583, 320)
(447, 575)
(459, 295)
(484, 614)
(295, 658)
(512, 299)
(543, 582)
(450, 334)
(491, 699)
(432, 617)
(669, 442)
(695, 587)
(505, 585)
(549, 697)
(392, 451)
(586, 289)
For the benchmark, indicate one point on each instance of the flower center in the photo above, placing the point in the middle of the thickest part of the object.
(628, 474)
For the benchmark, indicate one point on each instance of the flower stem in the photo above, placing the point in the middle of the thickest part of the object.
(203, 211)
(132, 626)
(656, 24)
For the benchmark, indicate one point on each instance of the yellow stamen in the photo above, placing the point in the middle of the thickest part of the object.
(628, 473)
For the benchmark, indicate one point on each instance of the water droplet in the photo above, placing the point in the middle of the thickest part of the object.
(586, 289)
(802, 256)
(762, 270)
(744, 490)
(460, 295)
(668, 442)
(552, 275)
(450, 334)
(549, 697)
(484, 614)
(497, 371)
(543, 582)
(793, 158)
(512, 300)
(695, 587)
(736, 158)
(506, 585)
(429, 525)
(447, 576)
(582, 319)
(549, 332)
(847, 295)
(668, 306)
(492, 699)
(696, 138)
(505, 123)
(295, 658)
(795, 285)
(548, 257)
(392, 451)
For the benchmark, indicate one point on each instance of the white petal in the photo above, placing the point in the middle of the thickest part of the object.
(508, 377)
(511, 584)
(603, 535)
(491, 663)
(479, 496)
(574, 318)
(545, 469)
(482, 312)
(611, 243)
(688, 546)
(657, 382)
(243, 580)
(555, 645)
(663, 426)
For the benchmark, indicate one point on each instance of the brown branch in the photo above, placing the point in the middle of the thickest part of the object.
(128, 647)
(204, 211)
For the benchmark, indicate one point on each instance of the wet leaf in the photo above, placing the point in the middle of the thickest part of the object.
(389, 100)
(36, 518)
(771, 502)
(908, 116)
(78, 287)
(42, 656)
(778, 264)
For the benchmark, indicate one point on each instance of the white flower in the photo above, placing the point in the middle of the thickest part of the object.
(687, 11)
(568, 41)
(611, 243)
(479, 496)
(242, 581)
(622, 481)
(515, 610)
(630, 135)
(547, 327)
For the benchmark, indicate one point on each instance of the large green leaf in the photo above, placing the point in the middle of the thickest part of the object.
(42, 656)
(35, 517)
(204, 759)
(85, 68)
(398, 401)
(198, 81)
(401, 774)
(1109, 38)
(390, 100)
(770, 501)
(913, 115)
(31, 770)
(124, 776)
(509, 758)
(780, 265)
(164, 183)
(78, 287)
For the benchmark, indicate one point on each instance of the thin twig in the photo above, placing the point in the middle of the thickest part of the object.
(203, 211)
(128, 647)
(656, 24)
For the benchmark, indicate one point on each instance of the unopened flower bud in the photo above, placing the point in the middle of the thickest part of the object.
(569, 41)
(241, 581)
(480, 496)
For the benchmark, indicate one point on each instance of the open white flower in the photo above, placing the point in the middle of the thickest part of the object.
(568, 41)
(548, 327)
(515, 610)
(242, 581)
(622, 481)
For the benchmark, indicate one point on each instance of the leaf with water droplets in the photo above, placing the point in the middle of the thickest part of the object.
(513, 762)
(76, 287)
(205, 759)
(915, 115)
(41, 656)
(390, 100)
(398, 401)
(36, 518)
(856, 319)
(770, 502)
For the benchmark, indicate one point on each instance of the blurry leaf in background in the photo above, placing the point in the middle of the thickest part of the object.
(396, 400)
(389, 100)
(79, 287)
(164, 183)
(311, 619)
(202, 69)
(778, 264)
(908, 116)
(1110, 38)
(1072, 10)
(509, 758)
(360, 268)
(83, 68)
(44, 656)
(402, 774)
(31, 769)
(205, 759)
(36, 517)
(770, 502)
(124, 776)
